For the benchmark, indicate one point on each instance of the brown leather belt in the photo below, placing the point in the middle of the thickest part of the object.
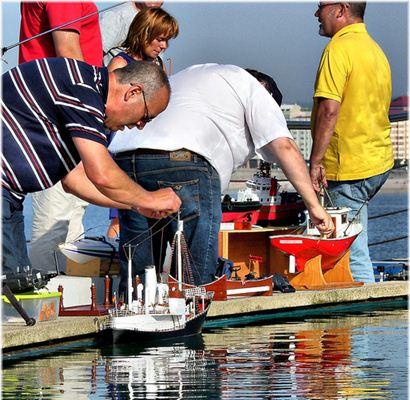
(177, 155)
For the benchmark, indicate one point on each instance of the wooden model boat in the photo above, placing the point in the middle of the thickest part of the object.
(225, 289)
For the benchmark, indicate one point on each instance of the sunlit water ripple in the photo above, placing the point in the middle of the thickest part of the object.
(342, 357)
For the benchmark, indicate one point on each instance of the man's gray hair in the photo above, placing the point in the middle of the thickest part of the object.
(357, 9)
(147, 73)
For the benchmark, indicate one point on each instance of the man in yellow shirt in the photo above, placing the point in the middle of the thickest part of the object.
(352, 152)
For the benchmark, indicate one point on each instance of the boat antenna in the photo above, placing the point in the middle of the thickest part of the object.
(7, 48)
(325, 193)
(179, 250)
(355, 216)
(129, 286)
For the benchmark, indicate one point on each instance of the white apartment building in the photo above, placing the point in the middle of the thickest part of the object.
(400, 139)
(294, 113)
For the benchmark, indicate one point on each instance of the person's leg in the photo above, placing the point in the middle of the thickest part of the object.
(356, 195)
(202, 214)
(198, 186)
(134, 233)
(57, 218)
(14, 257)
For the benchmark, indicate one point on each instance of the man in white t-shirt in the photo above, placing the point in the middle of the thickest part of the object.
(218, 117)
(115, 24)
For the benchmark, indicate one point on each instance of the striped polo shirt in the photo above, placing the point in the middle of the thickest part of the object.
(45, 104)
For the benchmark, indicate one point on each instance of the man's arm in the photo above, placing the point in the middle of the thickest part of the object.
(294, 167)
(67, 44)
(324, 128)
(77, 183)
(114, 183)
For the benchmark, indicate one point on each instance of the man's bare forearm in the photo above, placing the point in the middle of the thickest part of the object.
(77, 183)
(324, 128)
(294, 167)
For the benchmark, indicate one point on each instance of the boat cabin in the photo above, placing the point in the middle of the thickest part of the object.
(340, 220)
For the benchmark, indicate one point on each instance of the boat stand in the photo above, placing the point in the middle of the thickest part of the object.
(314, 278)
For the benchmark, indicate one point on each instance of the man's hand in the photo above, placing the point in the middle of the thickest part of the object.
(318, 177)
(322, 220)
(164, 202)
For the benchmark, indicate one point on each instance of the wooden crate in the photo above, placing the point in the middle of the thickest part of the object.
(238, 245)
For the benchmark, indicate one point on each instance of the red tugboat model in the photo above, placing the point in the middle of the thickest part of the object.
(277, 206)
(328, 252)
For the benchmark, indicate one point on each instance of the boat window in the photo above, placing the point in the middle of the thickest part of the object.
(344, 218)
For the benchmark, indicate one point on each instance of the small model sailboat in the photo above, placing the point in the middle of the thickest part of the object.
(158, 311)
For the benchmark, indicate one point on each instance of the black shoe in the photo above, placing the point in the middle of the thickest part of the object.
(282, 284)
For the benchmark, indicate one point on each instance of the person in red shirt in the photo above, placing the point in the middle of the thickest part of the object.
(80, 40)
(57, 215)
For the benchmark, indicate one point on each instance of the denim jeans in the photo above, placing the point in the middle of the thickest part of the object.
(197, 183)
(355, 194)
(14, 246)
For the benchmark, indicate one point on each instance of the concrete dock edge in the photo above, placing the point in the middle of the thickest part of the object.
(17, 335)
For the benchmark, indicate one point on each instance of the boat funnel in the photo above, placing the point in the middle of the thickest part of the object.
(150, 287)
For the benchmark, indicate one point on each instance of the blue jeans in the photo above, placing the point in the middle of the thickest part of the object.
(14, 246)
(198, 185)
(355, 194)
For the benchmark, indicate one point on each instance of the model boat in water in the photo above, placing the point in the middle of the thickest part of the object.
(158, 310)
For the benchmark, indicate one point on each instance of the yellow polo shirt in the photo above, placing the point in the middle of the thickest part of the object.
(354, 71)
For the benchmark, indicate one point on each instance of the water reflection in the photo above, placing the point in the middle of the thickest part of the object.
(356, 357)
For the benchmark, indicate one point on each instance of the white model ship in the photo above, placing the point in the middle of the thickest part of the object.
(158, 311)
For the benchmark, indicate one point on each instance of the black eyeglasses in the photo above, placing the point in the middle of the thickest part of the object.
(146, 118)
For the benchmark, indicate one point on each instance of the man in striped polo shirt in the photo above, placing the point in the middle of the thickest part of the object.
(55, 114)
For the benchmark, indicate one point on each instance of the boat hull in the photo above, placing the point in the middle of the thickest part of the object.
(88, 249)
(225, 289)
(286, 213)
(191, 327)
(304, 248)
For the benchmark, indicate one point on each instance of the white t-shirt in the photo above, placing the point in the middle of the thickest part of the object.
(114, 25)
(218, 111)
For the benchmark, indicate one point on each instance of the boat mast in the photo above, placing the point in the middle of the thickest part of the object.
(129, 288)
(179, 251)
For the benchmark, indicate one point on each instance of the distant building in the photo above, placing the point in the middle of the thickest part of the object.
(295, 114)
(400, 130)
(303, 137)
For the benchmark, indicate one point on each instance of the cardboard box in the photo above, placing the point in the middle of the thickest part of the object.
(96, 267)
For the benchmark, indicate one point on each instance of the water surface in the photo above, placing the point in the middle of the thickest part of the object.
(360, 356)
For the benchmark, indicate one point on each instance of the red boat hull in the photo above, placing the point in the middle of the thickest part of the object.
(280, 212)
(305, 248)
(235, 216)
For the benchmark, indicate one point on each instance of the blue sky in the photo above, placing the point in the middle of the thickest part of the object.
(278, 38)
